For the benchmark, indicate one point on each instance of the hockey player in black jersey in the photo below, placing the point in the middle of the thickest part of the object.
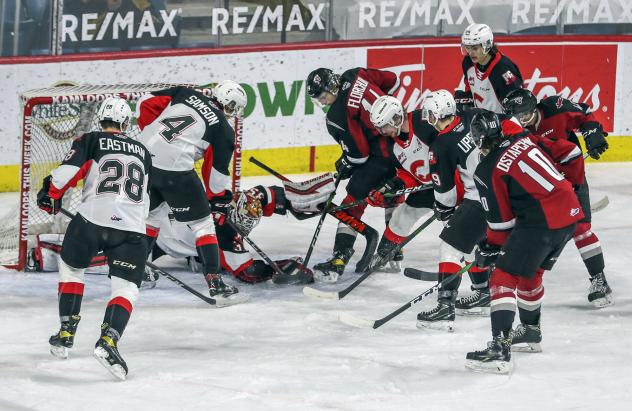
(488, 74)
(110, 218)
(179, 126)
(453, 157)
(557, 118)
(366, 156)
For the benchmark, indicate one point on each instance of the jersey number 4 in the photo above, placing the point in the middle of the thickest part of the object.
(174, 126)
(550, 171)
(111, 173)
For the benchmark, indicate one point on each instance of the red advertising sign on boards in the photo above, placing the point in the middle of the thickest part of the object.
(581, 72)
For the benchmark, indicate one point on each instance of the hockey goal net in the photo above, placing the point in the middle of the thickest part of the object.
(51, 119)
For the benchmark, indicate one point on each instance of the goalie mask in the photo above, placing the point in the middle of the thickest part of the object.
(246, 212)
(232, 97)
(115, 110)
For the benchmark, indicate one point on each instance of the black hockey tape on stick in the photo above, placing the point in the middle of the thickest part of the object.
(360, 322)
(338, 295)
(157, 269)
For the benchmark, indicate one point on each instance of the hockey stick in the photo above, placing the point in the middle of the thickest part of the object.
(370, 235)
(338, 295)
(360, 322)
(403, 191)
(425, 275)
(155, 268)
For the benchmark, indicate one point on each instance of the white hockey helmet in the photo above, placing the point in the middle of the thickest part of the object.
(387, 111)
(439, 104)
(477, 34)
(232, 97)
(116, 110)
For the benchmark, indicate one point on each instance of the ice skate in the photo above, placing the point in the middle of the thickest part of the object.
(526, 338)
(106, 352)
(330, 270)
(496, 358)
(599, 293)
(223, 294)
(474, 304)
(65, 337)
(441, 317)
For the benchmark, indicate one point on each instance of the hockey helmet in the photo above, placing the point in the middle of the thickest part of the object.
(322, 79)
(477, 34)
(116, 110)
(486, 130)
(387, 111)
(437, 106)
(521, 104)
(232, 97)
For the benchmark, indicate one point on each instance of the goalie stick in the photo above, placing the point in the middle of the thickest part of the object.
(179, 283)
(360, 322)
(424, 275)
(370, 235)
(338, 295)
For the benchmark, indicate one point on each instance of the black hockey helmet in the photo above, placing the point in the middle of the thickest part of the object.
(486, 130)
(322, 79)
(520, 103)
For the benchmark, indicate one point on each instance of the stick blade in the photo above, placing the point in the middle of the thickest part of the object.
(320, 294)
(421, 275)
(600, 205)
(355, 321)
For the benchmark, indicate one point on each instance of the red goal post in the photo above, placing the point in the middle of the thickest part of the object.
(51, 119)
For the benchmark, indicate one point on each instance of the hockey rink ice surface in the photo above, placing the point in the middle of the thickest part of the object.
(284, 351)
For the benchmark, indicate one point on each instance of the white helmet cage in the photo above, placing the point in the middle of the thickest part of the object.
(387, 111)
(440, 104)
(116, 110)
(477, 34)
(232, 97)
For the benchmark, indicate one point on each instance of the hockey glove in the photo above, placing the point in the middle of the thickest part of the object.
(486, 254)
(220, 206)
(44, 201)
(463, 100)
(344, 167)
(595, 139)
(442, 212)
(377, 197)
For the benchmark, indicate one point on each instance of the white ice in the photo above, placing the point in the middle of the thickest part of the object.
(283, 351)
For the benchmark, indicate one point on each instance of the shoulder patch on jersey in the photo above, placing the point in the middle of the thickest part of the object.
(509, 77)
(559, 102)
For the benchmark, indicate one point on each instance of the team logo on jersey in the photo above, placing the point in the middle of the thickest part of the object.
(574, 212)
(559, 102)
(509, 77)
(115, 218)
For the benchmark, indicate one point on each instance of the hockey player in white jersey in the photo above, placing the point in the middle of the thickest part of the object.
(412, 137)
(180, 125)
(111, 218)
(488, 74)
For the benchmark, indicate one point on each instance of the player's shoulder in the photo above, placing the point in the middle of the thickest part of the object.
(422, 129)
(557, 104)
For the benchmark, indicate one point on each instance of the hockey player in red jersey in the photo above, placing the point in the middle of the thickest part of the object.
(412, 137)
(110, 218)
(366, 156)
(488, 74)
(557, 118)
(179, 126)
(531, 212)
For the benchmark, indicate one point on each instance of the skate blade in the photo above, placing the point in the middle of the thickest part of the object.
(602, 302)
(527, 347)
(472, 312)
(436, 325)
(116, 370)
(322, 277)
(492, 367)
(148, 285)
(59, 352)
(239, 298)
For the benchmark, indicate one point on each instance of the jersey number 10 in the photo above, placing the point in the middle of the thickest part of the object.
(549, 170)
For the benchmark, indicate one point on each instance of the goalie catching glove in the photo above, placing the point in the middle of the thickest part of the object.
(309, 196)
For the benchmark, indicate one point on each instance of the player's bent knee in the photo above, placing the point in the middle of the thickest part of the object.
(124, 289)
(449, 254)
(202, 227)
(68, 274)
